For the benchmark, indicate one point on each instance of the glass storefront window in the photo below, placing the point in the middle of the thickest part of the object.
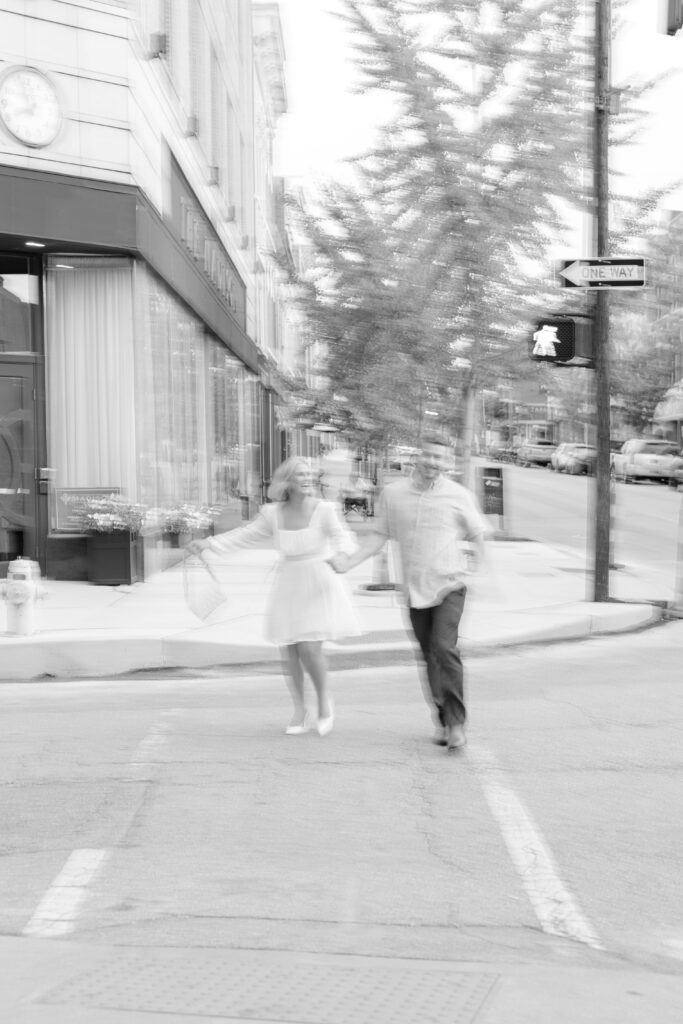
(19, 304)
(250, 427)
(197, 431)
(141, 398)
(170, 396)
(226, 450)
(235, 441)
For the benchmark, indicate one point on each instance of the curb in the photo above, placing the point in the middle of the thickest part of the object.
(106, 653)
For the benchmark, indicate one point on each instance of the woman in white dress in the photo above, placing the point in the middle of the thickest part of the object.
(309, 602)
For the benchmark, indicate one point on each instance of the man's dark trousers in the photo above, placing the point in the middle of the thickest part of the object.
(436, 631)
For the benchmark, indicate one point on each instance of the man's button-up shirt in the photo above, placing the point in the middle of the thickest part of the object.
(431, 528)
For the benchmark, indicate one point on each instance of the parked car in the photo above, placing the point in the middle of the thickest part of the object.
(574, 458)
(537, 453)
(557, 459)
(647, 458)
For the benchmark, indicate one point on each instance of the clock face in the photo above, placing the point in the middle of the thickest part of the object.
(29, 107)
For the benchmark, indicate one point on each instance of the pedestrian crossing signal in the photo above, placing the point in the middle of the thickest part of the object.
(563, 340)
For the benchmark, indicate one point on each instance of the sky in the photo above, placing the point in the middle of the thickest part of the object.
(642, 51)
(327, 123)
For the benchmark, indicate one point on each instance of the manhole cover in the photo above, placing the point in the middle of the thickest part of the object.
(302, 993)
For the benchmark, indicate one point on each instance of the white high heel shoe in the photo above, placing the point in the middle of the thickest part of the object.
(298, 730)
(325, 725)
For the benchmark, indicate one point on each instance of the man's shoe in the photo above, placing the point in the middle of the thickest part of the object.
(440, 736)
(455, 737)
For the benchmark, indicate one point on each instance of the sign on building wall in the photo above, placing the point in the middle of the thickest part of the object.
(193, 228)
(68, 502)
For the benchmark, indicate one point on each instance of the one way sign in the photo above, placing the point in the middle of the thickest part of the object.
(603, 272)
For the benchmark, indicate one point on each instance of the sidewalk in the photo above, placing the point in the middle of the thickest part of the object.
(532, 593)
(104, 985)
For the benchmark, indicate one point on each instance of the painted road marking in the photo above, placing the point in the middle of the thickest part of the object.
(147, 751)
(149, 747)
(59, 908)
(57, 911)
(556, 909)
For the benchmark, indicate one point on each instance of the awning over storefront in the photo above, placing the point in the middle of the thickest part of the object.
(671, 406)
(72, 215)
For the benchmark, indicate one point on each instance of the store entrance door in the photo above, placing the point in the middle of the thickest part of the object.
(18, 499)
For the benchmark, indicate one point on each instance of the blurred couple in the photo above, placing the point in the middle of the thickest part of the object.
(436, 526)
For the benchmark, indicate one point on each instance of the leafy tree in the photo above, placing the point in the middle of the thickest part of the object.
(572, 391)
(647, 345)
(421, 292)
(431, 258)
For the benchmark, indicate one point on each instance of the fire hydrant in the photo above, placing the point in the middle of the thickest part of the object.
(22, 590)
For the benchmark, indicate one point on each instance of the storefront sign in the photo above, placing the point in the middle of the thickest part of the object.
(194, 230)
(68, 501)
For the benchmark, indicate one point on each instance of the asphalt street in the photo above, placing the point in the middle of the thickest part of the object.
(558, 509)
(172, 810)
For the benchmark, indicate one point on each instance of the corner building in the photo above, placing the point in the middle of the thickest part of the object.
(140, 315)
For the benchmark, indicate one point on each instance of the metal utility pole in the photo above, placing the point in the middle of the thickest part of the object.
(601, 322)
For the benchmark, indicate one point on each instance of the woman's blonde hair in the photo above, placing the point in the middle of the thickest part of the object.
(283, 475)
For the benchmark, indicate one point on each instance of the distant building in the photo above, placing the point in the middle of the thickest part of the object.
(141, 310)
(517, 413)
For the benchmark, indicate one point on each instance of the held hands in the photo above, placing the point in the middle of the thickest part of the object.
(340, 563)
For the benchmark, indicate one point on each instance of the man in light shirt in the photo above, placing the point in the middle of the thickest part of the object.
(438, 528)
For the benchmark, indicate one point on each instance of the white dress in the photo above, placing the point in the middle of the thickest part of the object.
(308, 599)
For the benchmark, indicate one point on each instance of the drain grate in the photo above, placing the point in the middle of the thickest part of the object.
(302, 993)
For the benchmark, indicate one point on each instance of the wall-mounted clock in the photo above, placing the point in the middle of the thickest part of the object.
(29, 106)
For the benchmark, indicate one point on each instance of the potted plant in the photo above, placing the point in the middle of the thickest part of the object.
(181, 523)
(115, 552)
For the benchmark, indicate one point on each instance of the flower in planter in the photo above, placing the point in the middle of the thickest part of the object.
(109, 514)
(187, 518)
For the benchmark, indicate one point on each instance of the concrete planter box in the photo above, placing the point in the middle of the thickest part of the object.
(176, 540)
(115, 558)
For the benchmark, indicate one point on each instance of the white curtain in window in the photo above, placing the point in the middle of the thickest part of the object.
(90, 372)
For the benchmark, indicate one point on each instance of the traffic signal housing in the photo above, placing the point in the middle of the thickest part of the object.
(563, 340)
